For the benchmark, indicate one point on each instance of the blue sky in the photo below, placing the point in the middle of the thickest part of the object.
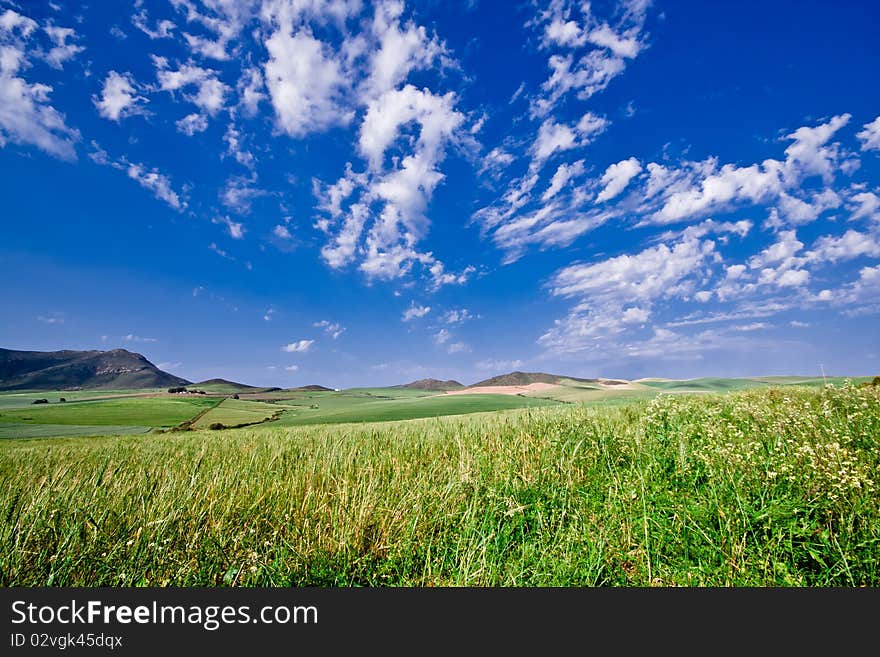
(346, 192)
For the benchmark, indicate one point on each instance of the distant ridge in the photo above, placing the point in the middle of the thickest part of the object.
(60, 370)
(228, 384)
(312, 388)
(525, 378)
(432, 384)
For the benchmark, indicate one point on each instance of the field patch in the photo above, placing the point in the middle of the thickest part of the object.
(383, 410)
(12, 431)
(505, 390)
(237, 412)
(130, 411)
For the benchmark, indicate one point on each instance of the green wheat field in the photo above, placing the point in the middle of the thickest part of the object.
(769, 486)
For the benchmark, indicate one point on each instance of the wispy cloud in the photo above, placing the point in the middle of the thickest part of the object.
(300, 346)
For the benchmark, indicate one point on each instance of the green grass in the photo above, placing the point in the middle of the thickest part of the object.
(337, 410)
(768, 487)
(236, 412)
(12, 431)
(20, 399)
(715, 384)
(140, 411)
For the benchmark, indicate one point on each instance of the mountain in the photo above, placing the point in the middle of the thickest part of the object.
(59, 370)
(431, 384)
(311, 388)
(525, 378)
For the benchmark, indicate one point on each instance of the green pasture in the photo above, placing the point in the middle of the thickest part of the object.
(345, 409)
(129, 411)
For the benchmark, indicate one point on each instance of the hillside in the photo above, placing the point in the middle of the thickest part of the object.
(431, 384)
(224, 385)
(59, 370)
(311, 388)
(525, 378)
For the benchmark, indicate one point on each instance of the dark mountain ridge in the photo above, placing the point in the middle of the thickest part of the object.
(60, 370)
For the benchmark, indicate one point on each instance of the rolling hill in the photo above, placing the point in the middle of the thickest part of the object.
(59, 370)
(431, 384)
(525, 378)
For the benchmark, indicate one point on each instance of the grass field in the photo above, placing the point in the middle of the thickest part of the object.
(769, 487)
(342, 409)
(12, 431)
(236, 412)
(140, 411)
(19, 399)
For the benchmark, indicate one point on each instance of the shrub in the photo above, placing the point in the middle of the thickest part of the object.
(40, 401)
(62, 399)
(217, 425)
(235, 396)
(178, 389)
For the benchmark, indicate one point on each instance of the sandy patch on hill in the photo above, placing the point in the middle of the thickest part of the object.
(504, 390)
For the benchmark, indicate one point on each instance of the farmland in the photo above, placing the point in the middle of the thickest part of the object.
(762, 487)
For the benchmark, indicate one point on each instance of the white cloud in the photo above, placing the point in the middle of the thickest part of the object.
(52, 318)
(852, 244)
(797, 324)
(163, 30)
(782, 250)
(496, 161)
(119, 97)
(395, 108)
(442, 277)
(305, 81)
(26, 116)
(235, 229)
(250, 91)
(616, 295)
(870, 136)
(168, 366)
(554, 137)
(564, 33)
(457, 348)
(292, 368)
(281, 232)
(399, 50)
(866, 205)
(415, 311)
(493, 365)
(756, 326)
(333, 329)
(156, 182)
(240, 192)
(442, 336)
(564, 173)
(192, 123)
(713, 189)
(457, 316)
(210, 94)
(223, 19)
(617, 177)
(300, 346)
(131, 337)
(232, 137)
(61, 51)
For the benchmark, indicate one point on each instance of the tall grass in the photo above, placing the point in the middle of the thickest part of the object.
(768, 487)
